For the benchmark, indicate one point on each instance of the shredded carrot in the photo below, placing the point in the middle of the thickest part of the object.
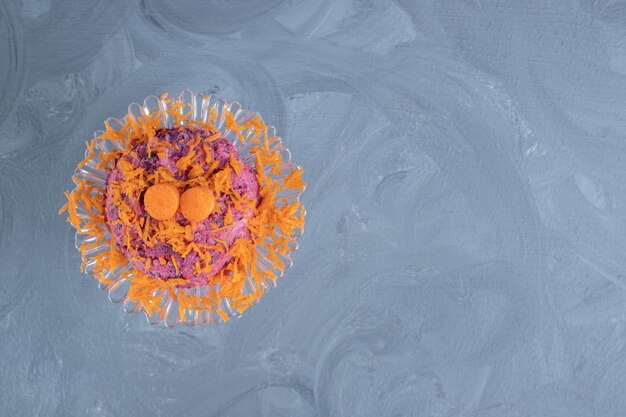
(175, 264)
(237, 166)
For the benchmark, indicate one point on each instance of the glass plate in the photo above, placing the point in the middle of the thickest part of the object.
(203, 109)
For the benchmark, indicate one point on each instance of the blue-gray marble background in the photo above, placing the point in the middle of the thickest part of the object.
(466, 232)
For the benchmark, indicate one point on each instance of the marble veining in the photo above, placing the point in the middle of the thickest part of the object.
(463, 255)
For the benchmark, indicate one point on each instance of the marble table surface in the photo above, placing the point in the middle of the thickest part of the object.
(465, 246)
